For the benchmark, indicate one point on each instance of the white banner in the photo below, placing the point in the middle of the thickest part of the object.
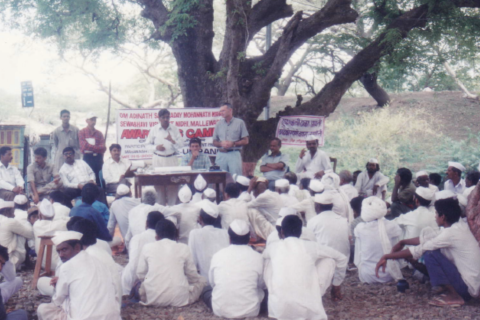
(293, 130)
(133, 126)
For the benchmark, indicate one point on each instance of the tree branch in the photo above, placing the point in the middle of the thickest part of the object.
(155, 11)
(265, 12)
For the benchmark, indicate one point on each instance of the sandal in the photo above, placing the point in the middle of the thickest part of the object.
(440, 301)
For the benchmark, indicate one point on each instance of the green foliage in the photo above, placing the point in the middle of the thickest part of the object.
(181, 18)
(257, 67)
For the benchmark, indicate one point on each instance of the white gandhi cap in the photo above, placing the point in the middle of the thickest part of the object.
(185, 194)
(200, 183)
(122, 189)
(20, 199)
(240, 227)
(244, 181)
(281, 183)
(62, 236)
(209, 208)
(425, 193)
(46, 209)
(456, 165)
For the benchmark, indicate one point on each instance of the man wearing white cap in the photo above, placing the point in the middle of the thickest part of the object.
(120, 208)
(92, 145)
(455, 183)
(236, 276)
(451, 255)
(189, 213)
(341, 203)
(307, 234)
(165, 142)
(205, 242)
(21, 206)
(64, 136)
(422, 179)
(200, 184)
(129, 273)
(167, 271)
(231, 207)
(116, 169)
(10, 230)
(11, 181)
(274, 165)
(282, 186)
(374, 238)
(46, 224)
(210, 195)
(294, 280)
(85, 289)
(314, 163)
(243, 184)
(372, 182)
(330, 229)
(414, 221)
(306, 207)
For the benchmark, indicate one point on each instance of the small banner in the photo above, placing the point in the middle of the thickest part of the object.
(27, 94)
(133, 126)
(293, 130)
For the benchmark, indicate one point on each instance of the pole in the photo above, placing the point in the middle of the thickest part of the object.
(268, 44)
(109, 105)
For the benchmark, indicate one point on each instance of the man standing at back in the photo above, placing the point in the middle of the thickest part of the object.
(314, 163)
(65, 136)
(229, 136)
(92, 145)
(165, 141)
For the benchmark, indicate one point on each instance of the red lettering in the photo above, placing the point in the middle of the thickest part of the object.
(126, 134)
(190, 134)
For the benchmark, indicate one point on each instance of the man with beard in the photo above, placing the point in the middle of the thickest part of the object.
(372, 182)
(314, 163)
(455, 183)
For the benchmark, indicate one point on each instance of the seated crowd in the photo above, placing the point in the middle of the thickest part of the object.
(311, 223)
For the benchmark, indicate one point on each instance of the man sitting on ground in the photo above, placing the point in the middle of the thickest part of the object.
(210, 195)
(84, 289)
(40, 176)
(129, 274)
(292, 180)
(231, 207)
(57, 198)
(208, 240)
(451, 256)
(236, 274)
(267, 202)
(422, 180)
(200, 184)
(8, 288)
(120, 208)
(402, 195)
(372, 182)
(243, 184)
(116, 169)
(455, 183)
(11, 181)
(304, 193)
(167, 272)
(346, 184)
(471, 181)
(298, 273)
(282, 187)
(276, 235)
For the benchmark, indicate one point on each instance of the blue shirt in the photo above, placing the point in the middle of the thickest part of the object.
(100, 207)
(88, 212)
(202, 161)
(275, 174)
(234, 130)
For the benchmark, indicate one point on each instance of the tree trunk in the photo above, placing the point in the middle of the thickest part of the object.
(369, 81)
(459, 83)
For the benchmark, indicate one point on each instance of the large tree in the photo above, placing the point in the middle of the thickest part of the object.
(245, 81)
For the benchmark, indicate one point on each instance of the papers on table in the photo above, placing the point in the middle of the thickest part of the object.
(172, 169)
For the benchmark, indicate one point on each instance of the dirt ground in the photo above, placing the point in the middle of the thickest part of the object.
(361, 301)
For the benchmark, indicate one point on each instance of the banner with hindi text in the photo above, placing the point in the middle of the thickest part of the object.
(133, 126)
(293, 130)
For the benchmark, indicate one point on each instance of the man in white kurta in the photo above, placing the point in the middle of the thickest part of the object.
(306, 207)
(346, 184)
(165, 142)
(167, 271)
(282, 187)
(292, 278)
(314, 163)
(61, 211)
(10, 230)
(306, 234)
(115, 169)
(200, 184)
(232, 208)
(372, 182)
(11, 283)
(46, 224)
(236, 276)
(129, 273)
(268, 204)
(119, 210)
(208, 240)
(188, 212)
(330, 229)
(455, 183)
(85, 288)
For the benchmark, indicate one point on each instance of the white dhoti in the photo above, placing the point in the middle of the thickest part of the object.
(44, 287)
(325, 270)
(260, 224)
(167, 195)
(128, 278)
(49, 311)
(9, 288)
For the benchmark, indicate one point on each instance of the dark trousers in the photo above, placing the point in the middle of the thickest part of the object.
(96, 163)
(443, 272)
(71, 194)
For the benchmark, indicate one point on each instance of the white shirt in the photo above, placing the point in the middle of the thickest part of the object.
(88, 289)
(293, 190)
(168, 270)
(10, 229)
(137, 219)
(189, 213)
(310, 166)
(349, 190)
(340, 206)
(157, 136)
(306, 235)
(307, 206)
(414, 221)
(10, 178)
(368, 249)
(236, 276)
(458, 189)
(204, 243)
(288, 200)
(78, 173)
(197, 197)
(245, 196)
(114, 268)
(129, 274)
(459, 246)
(41, 227)
(365, 185)
(119, 214)
(112, 170)
(269, 204)
(331, 230)
(232, 209)
(61, 211)
(292, 279)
